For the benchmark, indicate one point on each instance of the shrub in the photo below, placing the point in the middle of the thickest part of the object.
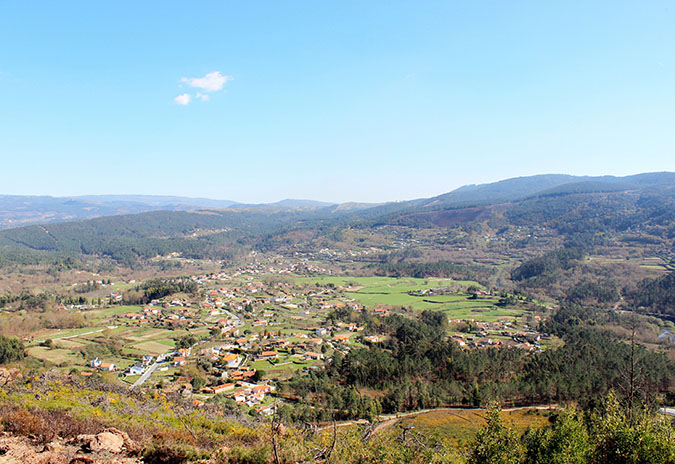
(258, 454)
(23, 422)
(168, 454)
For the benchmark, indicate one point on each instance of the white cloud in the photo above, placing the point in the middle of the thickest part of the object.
(183, 99)
(211, 82)
(202, 96)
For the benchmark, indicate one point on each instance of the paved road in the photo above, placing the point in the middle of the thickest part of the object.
(237, 322)
(146, 375)
(669, 411)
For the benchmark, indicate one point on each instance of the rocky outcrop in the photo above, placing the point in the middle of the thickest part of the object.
(108, 447)
(109, 441)
(9, 375)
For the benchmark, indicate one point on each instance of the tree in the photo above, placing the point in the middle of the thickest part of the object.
(566, 442)
(11, 349)
(476, 397)
(198, 383)
(186, 341)
(495, 443)
(641, 437)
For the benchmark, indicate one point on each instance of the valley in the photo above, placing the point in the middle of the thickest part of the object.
(398, 325)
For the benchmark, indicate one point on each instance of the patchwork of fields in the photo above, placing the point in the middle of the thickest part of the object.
(121, 345)
(114, 338)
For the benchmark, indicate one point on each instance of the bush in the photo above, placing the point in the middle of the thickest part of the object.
(259, 454)
(622, 435)
(566, 442)
(168, 454)
(24, 423)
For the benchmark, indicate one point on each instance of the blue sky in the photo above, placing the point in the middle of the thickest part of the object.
(334, 101)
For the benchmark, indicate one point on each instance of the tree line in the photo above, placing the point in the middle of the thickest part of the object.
(419, 367)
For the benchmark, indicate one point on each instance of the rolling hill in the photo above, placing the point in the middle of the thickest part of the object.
(642, 206)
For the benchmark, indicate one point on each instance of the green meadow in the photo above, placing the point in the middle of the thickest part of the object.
(391, 291)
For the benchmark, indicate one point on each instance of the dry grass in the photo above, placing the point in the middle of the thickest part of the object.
(459, 425)
(152, 347)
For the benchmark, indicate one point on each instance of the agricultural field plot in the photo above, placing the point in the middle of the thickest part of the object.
(153, 347)
(106, 313)
(461, 425)
(61, 334)
(150, 340)
(70, 344)
(653, 265)
(284, 369)
(481, 310)
(390, 291)
(152, 334)
(132, 344)
(57, 356)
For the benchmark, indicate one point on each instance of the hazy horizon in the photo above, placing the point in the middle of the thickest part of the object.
(287, 198)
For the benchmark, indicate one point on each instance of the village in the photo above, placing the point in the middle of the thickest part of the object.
(242, 332)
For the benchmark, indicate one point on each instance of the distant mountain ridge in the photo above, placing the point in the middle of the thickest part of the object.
(574, 206)
(23, 210)
(519, 188)
(17, 211)
(156, 200)
(522, 187)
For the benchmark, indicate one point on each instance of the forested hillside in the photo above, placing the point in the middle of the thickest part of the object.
(643, 214)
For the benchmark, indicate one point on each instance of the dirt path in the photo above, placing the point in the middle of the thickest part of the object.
(385, 421)
(78, 335)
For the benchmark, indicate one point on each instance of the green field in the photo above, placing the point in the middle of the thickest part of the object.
(56, 355)
(72, 333)
(136, 342)
(105, 313)
(285, 368)
(390, 291)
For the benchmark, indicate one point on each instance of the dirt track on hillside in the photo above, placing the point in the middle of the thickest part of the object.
(385, 421)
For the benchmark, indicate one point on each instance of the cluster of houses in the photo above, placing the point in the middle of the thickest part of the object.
(278, 266)
(248, 393)
(176, 313)
(487, 333)
(251, 299)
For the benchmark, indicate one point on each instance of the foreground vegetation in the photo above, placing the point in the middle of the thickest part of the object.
(169, 429)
